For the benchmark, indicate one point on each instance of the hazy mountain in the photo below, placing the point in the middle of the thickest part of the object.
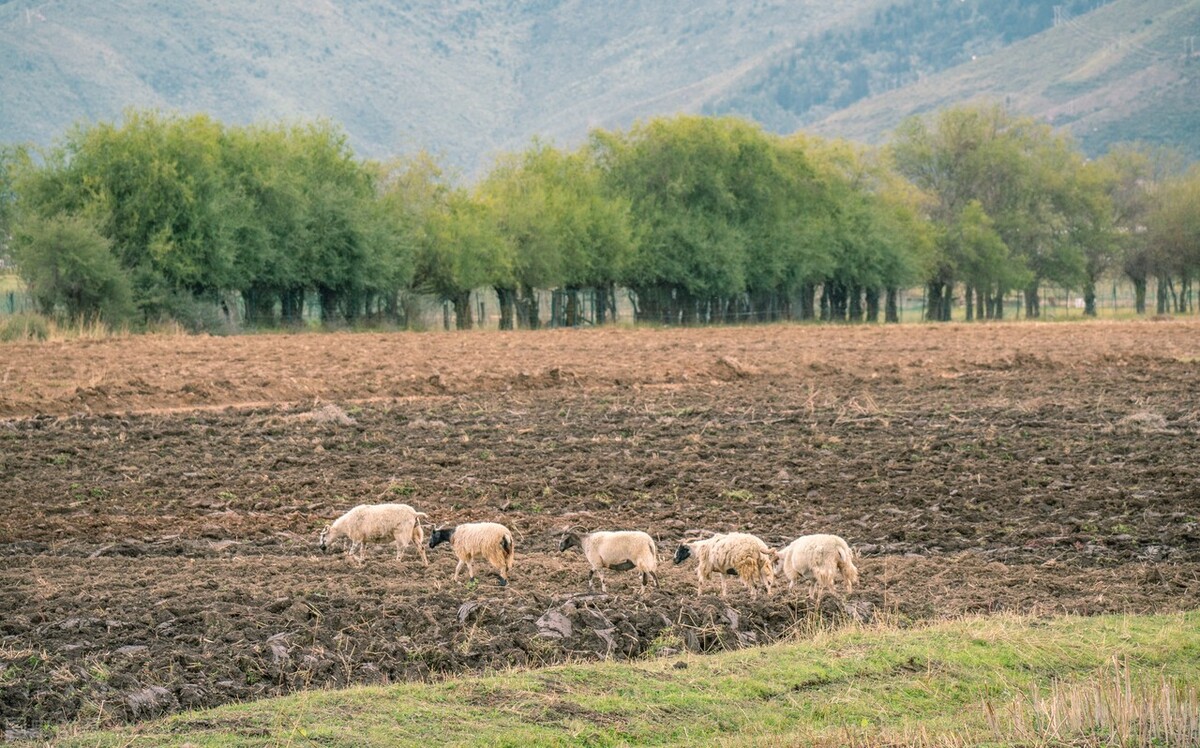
(1127, 71)
(462, 77)
(467, 78)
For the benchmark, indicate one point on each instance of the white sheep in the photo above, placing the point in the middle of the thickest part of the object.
(736, 553)
(619, 550)
(821, 557)
(487, 540)
(370, 522)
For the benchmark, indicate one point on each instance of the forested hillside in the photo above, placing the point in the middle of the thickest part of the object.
(901, 44)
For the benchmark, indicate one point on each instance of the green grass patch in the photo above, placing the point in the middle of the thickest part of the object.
(951, 682)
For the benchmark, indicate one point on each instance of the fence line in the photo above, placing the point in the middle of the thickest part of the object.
(1115, 299)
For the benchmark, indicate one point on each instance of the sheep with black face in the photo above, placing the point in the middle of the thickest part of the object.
(489, 541)
(619, 550)
(730, 554)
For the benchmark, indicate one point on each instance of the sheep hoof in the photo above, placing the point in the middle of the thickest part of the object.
(503, 581)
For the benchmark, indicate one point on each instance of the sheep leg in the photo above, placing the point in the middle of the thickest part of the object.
(418, 537)
(603, 586)
(458, 568)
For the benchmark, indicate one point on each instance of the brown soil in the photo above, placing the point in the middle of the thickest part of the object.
(160, 498)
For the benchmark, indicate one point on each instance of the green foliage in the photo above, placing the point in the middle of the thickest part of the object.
(1174, 235)
(70, 269)
(707, 220)
(1015, 201)
(463, 249)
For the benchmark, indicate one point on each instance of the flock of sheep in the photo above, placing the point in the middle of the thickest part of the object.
(821, 559)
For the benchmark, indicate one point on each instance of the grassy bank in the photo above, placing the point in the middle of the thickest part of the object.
(993, 680)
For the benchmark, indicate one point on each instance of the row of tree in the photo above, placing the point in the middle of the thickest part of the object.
(704, 219)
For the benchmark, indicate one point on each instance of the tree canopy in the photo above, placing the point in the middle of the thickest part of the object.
(702, 219)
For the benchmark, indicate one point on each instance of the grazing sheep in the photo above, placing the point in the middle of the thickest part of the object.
(620, 550)
(736, 553)
(369, 522)
(821, 557)
(487, 540)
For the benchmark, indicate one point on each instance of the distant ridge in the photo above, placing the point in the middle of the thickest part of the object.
(467, 80)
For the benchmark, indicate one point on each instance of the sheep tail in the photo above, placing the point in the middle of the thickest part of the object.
(506, 545)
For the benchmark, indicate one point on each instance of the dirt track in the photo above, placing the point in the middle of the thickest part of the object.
(157, 548)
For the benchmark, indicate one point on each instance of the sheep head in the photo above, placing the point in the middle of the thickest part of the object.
(683, 553)
(568, 540)
(439, 536)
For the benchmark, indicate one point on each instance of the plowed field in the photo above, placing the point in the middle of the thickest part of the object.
(160, 498)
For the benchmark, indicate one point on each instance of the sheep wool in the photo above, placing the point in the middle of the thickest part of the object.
(731, 554)
(823, 558)
(367, 523)
(619, 550)
(490, 541)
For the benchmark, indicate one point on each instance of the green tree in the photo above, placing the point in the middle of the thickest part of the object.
(463, 249)
(1174, 236)
(155, 188)
(566, 229)
(691, 186)
(1023, 177)
(872, 230)
(71, 269)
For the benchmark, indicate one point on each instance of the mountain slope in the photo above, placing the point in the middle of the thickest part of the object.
(1129, 70)
(468, 78)
(461, 77)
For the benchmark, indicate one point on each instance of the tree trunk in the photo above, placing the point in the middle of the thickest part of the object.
(855, 305)
(808, 301)
(328, 298)
(528, 313)
(872, 298)
(969, 301)
(572, 310)
(1162, 296)
(1089, 298)
(891, 311)
(1139, 294)
(1033, 302)
(507, 297)
(462, 310)
(933, 303)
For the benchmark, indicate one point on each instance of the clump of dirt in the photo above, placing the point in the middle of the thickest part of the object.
(326, 414)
